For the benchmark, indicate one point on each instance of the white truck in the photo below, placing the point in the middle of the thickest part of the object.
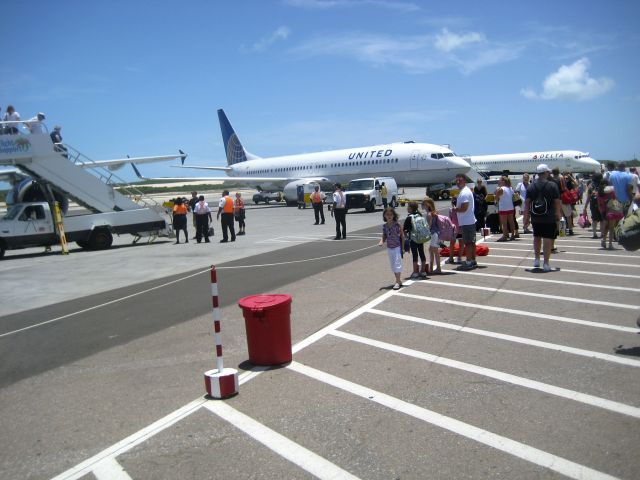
(365, 193)
(33, 225)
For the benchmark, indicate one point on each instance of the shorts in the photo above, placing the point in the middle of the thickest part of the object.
(507, 212)
(395, 259)
(567, 210)
(435, 240)
(545, 230)
(468, 233)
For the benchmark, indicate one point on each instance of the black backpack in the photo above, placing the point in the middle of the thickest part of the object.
(539, 205)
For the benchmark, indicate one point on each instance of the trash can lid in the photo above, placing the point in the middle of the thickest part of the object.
(264, 301)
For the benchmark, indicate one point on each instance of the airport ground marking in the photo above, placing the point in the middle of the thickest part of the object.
(609, 255)
(511, 338)
(110, 469)
(545, 280)
(288, 449)
(555, 258)
(504, 444)
(564, 270)
(585, 398)
(540, 295)
(523, 313)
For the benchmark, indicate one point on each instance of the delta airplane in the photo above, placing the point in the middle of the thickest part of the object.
(411, 164)
(566, 160)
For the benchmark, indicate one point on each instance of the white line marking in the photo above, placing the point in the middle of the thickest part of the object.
(512, 338)
(544, 280)
(564, 270)
(295, 453)
(504, 444)
(554, 258)
(609, 255)
(131, 441)
(502, 376)
(540, 295)
(110, 469)
(524, 313)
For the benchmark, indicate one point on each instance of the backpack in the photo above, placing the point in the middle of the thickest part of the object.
(628, 231)
(539, 206)
(615, 206)
(419, 230)
(447, 230)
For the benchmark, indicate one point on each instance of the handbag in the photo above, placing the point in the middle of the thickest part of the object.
(583, 221)
(569, 197)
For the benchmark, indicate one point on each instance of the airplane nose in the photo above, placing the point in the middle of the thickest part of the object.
(592, 164)
(459, 163)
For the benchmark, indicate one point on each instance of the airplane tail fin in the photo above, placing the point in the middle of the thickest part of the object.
(232, 146)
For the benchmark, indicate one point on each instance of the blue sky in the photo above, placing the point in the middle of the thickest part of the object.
(146, 77)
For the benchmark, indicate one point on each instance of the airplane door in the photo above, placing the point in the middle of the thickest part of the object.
(414, 159)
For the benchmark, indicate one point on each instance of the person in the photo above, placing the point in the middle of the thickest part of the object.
(316, 201)
(543, 211)
(611, 209)
(592, 203)
(225, 207)
(457, 236)
(11, 116)
(622, 183)
(417, 249)
(202, 213)
(239, 212)
(521, 188)
(611, 166)
(383, 193)
(480, 203)
(570, 184)
(635, 181)
(431, 213)
(35, 124)
(56, 138)
(339, 212)
(580, 189)
(192, 205)
(504, 194)
(393, 236)
(467, 221)
(180, 220)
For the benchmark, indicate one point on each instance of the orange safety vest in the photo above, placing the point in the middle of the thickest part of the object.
(239, 204)
(180, 209)
(228, 205)
(316, 197)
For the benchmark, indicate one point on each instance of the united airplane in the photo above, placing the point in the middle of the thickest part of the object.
(411, 164)
(566, 160)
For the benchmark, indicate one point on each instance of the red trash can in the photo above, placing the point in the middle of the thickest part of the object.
(268, 325)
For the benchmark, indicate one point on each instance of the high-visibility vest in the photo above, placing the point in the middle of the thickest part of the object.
(316, 197)
(180, 209)
(239, 204)
(228, 205)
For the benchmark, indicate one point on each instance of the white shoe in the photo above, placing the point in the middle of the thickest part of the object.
(546, 267)
(396, 286)
(536, 263)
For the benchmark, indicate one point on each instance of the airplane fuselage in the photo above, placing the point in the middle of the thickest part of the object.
(565, 160)
(411, 164)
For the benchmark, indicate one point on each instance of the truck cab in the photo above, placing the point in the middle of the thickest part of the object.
(365, 193)
(27, 225)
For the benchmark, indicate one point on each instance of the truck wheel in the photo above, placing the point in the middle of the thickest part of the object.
(2, 249)
(256, 202)
(444, 195)
(100, 240)
(82, 243)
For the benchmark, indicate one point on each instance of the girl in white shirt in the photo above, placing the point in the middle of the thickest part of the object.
(504, 194)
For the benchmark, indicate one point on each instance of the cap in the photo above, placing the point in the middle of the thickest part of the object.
(40, 114)
(57, 127)
(543, 167)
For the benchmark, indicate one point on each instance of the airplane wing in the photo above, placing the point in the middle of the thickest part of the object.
(11, 175)
(202, 167)
(119, 162)
(259, 183)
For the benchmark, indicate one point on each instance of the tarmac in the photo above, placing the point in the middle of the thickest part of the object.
(501, 372)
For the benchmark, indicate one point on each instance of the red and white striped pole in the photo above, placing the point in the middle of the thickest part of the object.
(221, 382)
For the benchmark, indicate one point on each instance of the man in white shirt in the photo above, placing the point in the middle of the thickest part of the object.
(466, 221)
(339, 212)
(35, 124)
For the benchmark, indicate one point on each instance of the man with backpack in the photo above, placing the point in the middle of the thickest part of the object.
(544, 209)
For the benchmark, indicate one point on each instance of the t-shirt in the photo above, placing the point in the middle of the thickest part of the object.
(467, 217)
(505, 202)
(620, 180)
(340, 199)
(550, 191)
(393, 234)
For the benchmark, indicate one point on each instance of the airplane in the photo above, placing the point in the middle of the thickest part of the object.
(410, 163)
(566, 160)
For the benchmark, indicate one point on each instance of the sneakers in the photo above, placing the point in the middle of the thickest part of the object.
(415, 275)
(546, 267)
(423, 274)
(450, 261)
(467, 266)
(536, 263)
(396, 286)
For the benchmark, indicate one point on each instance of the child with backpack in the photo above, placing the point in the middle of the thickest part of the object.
(392, 234)
(453, 216)
(434, 244)
(415, 226)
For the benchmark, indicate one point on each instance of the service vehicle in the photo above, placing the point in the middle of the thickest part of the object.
(365, 193)
(266, 197)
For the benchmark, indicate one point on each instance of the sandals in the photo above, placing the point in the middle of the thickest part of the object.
(503, 239)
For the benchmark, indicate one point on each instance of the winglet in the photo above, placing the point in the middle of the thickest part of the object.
(183, 156)
(138, 174)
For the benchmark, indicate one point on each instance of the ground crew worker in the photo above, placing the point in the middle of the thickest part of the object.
(339, 212)
(180, 220)
(316, 201)
(383, 193)
(202, 213)
(225, 207)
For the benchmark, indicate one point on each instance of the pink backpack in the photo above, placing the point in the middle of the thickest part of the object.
(447, 230)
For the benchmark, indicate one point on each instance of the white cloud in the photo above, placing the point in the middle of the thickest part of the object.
(264, 43)
(571, 82)
(447, 41)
